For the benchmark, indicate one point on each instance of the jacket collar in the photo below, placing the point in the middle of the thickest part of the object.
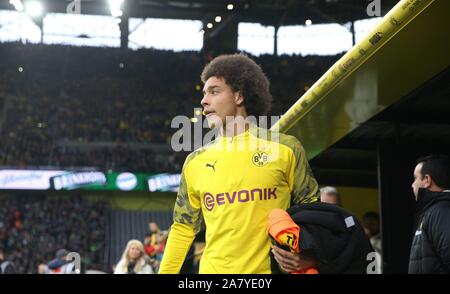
(426, 198)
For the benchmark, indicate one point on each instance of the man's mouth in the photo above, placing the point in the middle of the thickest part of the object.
(208, 112)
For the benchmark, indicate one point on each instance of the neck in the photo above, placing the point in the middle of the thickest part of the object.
(234, 129)
(435, 188)
(235, 126)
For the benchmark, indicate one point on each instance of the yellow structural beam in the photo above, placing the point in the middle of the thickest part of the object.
(406, 48)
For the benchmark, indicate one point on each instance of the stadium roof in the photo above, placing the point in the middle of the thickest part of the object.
(268, 12)
(388, 98)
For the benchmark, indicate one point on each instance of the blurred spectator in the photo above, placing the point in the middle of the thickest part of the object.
(371, 224)
(192, 262)
(42, 268)
(150, 239)
(134, 260)
(153, 228)
(330, 195)
(198, 252)
(6, 267)
(155, 247)
(61, 264)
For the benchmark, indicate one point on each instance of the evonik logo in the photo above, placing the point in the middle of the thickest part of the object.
(210, 200)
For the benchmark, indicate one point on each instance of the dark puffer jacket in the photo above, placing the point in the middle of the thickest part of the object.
(430, 250)
(335, 237)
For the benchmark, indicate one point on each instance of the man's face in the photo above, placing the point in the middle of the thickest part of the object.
(371, 227)
(153, 227)
(420, 181)
(219, 101)
(328, 198)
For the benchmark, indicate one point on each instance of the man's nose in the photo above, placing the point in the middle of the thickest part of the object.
(205, 101)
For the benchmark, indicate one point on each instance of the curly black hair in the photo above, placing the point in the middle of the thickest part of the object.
(242, 74)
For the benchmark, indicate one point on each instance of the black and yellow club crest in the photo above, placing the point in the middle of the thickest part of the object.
(260, 158)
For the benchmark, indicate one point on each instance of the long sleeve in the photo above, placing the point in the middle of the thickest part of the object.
(187, 223)
(180, 239)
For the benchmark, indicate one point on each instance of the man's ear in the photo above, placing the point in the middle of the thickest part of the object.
(427, 181)
(238, 98)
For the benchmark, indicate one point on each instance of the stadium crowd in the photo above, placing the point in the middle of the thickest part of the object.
(32, 230)
(53, 95)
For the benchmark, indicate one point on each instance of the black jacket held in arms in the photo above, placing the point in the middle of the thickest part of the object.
(430, 250)
(335, 237)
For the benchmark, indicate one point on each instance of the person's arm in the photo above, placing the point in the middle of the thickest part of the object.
(304, 189)
(439, 228)
(187, 222)
(303, 185)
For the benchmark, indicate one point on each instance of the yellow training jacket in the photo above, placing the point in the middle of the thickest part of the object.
(232, 184)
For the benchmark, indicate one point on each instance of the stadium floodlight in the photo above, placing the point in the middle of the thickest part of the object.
(17, 4)
(116, 7)
(218, 18)
(34, 8)
(308, 22)
(209, 25)
(230, 6)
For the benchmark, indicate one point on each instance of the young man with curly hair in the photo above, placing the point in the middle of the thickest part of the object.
(230, 189)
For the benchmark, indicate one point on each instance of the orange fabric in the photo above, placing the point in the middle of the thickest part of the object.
(286, 232)
(280, 223)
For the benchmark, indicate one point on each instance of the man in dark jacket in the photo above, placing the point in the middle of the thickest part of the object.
(430, 251)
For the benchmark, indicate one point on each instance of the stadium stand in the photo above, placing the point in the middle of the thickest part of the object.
(104, 107)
